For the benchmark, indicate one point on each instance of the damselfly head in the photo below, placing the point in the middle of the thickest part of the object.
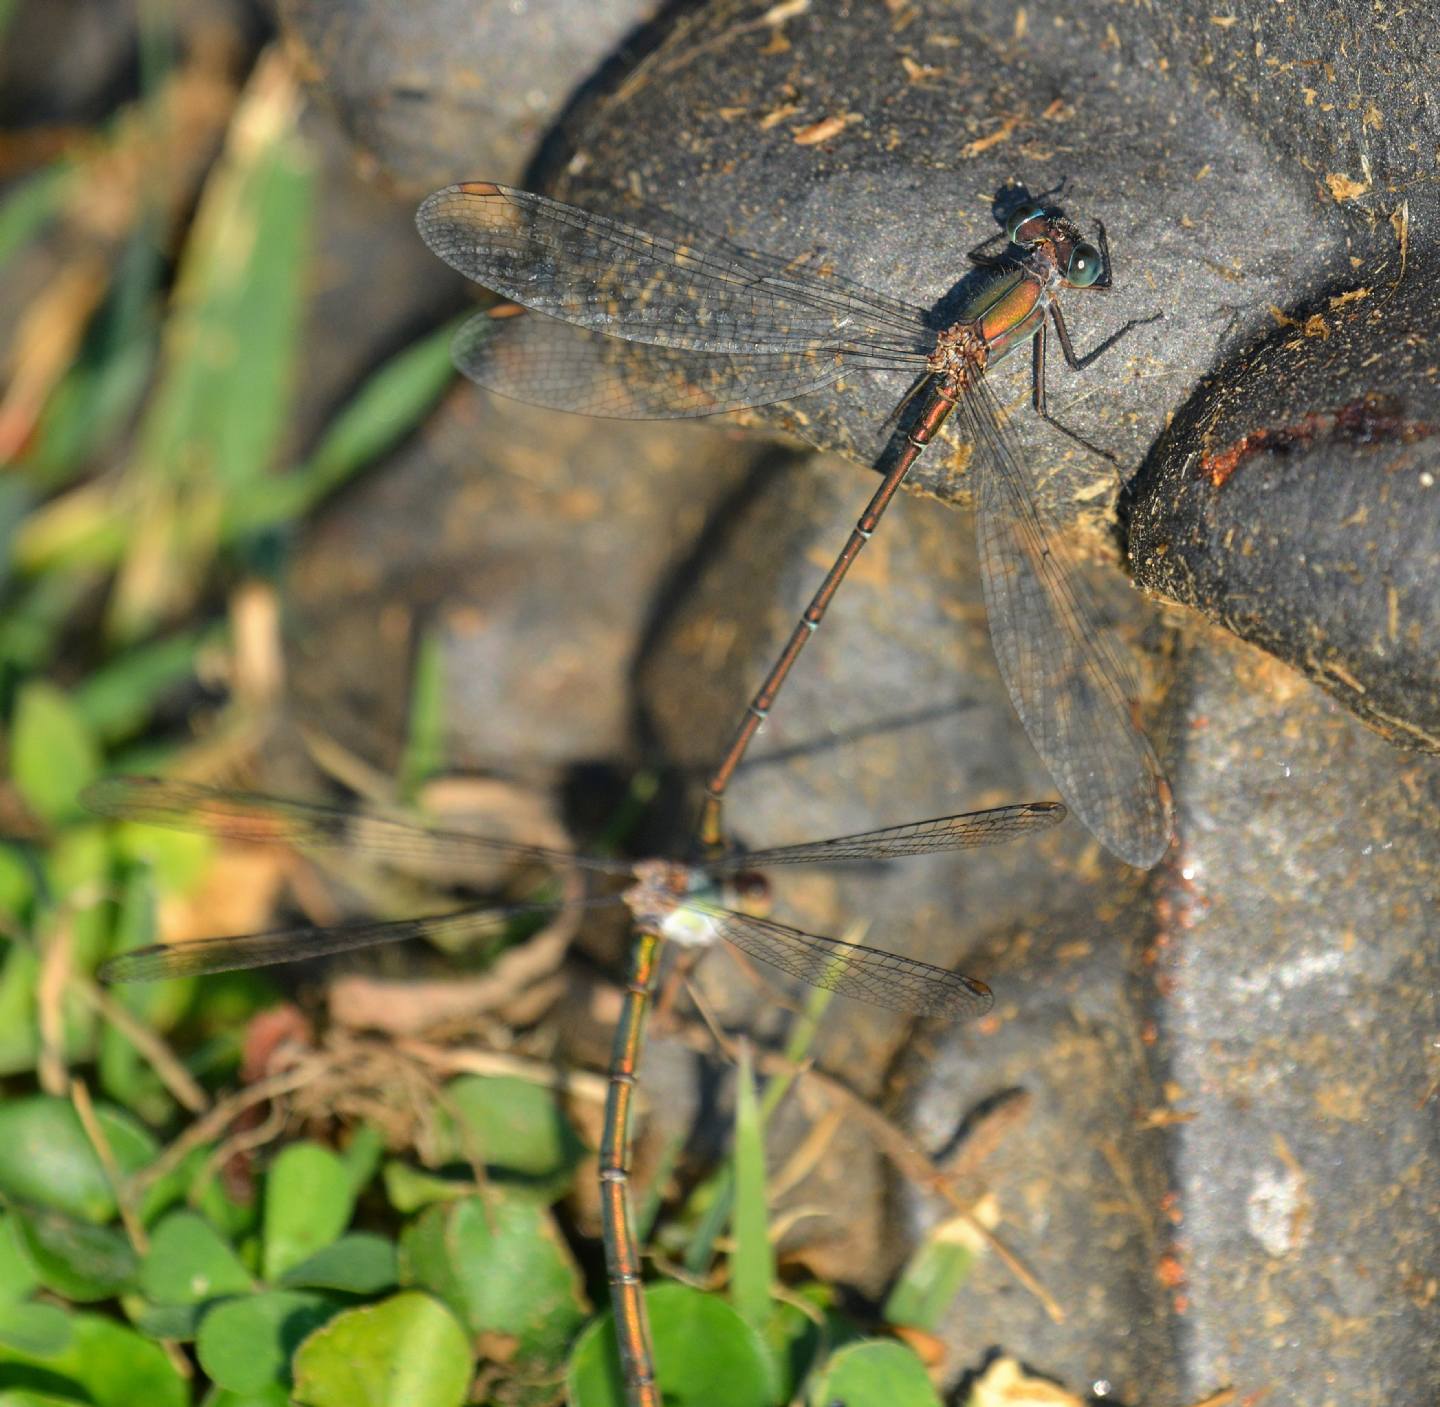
(1032, 226)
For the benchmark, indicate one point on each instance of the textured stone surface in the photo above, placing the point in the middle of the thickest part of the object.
(1225, 1174)
(442, 90)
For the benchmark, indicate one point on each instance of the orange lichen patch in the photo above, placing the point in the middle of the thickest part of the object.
(1370, 419)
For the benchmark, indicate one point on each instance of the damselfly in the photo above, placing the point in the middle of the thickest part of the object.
(687, 904)
(631, 324)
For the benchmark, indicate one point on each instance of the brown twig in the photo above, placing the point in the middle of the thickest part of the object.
(119, 1184)
(158, 1055)
(225, 1111)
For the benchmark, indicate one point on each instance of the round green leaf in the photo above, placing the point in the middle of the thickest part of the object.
(17, 1275)
(109, 1364)
(246, 1344)
(53, 754)
(706, 1355)
(47, 1160)
(73, 1258)
(410, 1188)
(19, 1035)
(188, 1263)
(874, 1373)
(406, 1351)
(309, 1196)
(42, 1329)
(273, 1396)
(359, 1264)
(501, 1264)
(514, 1126)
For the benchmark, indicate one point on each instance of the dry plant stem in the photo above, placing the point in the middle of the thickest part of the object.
(911, 1161)
(918, 1167)
(461, 1060)
(54, 981)
(119, 1183)
(237, 1144)
(173, 1075)
(212, 1125)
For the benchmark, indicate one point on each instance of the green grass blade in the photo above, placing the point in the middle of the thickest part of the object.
(386, 409)
(752, 1261)
(425, 742)
(932, 1277)
(213, 425)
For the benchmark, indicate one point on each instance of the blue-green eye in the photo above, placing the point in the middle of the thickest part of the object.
(1085, 265)
(1031, 210)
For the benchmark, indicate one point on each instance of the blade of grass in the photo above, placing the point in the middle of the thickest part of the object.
(213, 425)
(721, 1189)
(752, 1261)
(932, 1276)
(386, 409)
(424, 755)
(118, 699)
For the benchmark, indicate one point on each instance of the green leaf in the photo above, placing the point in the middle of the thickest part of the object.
(406, 1351)
(874, 1373)
(276, 1395)
(120, 697)
(180, 1322)
(53, 754)
(47, 1160)
(73, 1258)
(410, 1188)
(361, 1156)
(795, 1340)
(189, 1262)
(309, 1199)
(246, 1344)
(706, 1355)
(42, 1329)
(500, 1263)
(19, 1035)
(932, 1277)
(752, 1262)
(17, 885)
(516, 1127)
(359, 1264)
(17, 1275)
(104, 1364)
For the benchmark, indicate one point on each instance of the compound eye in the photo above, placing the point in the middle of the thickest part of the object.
(1031, 210)
(1085, 265)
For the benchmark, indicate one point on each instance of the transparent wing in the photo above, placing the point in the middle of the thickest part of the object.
(965, 832)
(1070, 691)
(206, 955)
(250, 816)
(697, 292)
(534, 358)
(868, 974)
